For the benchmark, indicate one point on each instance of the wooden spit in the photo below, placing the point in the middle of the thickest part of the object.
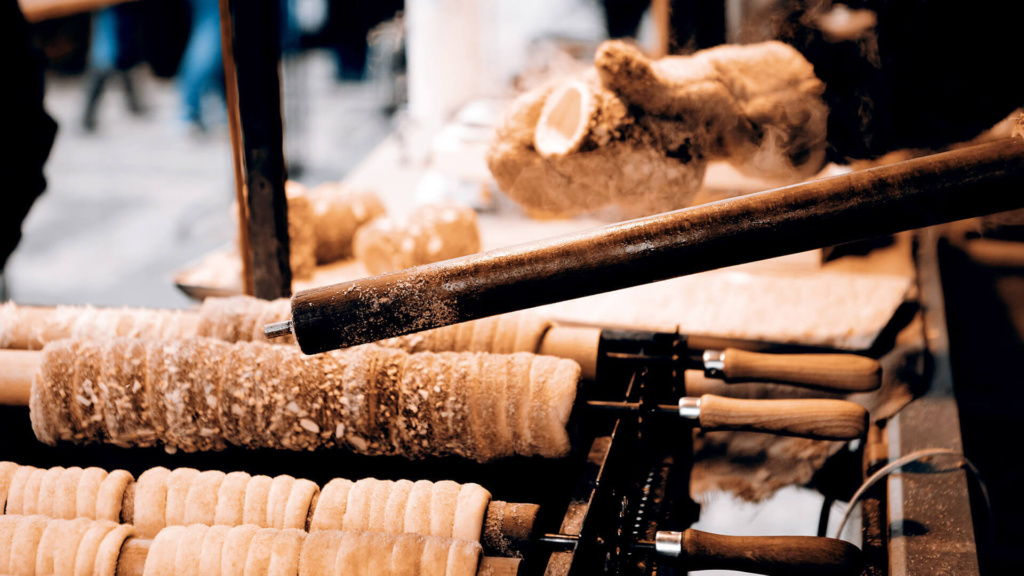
(824, 419)
(925, 191)
(508, 526)
(697, 550)
(134, 551)
(509, 533)
(842, 372)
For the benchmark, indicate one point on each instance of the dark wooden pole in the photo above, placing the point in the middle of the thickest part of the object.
(256, 51)
(941, 188)
(227, 39)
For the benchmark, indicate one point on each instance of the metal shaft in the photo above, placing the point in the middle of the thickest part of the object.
(935, 189)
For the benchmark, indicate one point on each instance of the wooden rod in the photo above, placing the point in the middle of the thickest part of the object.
(772, 555)
(227, 47)
(696, 383)
(822, 419)
(508, 526)
(132, 560)
(921, 192)
(577, 343)
(17, 368)
(843, 372)
(36, 326)
(257, 57)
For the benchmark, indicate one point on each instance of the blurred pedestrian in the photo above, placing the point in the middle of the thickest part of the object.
(348, 23)
(112, 52)
(202, 66)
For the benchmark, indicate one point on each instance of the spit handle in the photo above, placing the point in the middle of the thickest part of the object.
(770, 555)
(838, 372)
(812, 418)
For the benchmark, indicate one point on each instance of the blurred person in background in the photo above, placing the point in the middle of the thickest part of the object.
(348, 23)
(114, 51)
(202, 66)
(32, 127)
(693, 24)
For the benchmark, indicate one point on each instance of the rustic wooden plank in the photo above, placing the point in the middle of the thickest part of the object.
(257, 55)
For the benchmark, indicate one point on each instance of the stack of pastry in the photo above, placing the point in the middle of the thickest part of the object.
(204, 394)
(187, 496)
(38, 545)
(241, 318)
(431, 233)
(249, 550)
(20, 325)
(65, 493)
(338, 211)
(234, 523)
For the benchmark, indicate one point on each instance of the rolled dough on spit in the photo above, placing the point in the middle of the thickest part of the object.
(38, 545)
(186, 496)
(202, 394)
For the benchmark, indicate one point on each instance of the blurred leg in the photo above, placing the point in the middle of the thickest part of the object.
(102, 59)
(201, 65)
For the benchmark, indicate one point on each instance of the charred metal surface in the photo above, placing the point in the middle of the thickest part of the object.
(257, 56)
(883, 200)
(930, 523)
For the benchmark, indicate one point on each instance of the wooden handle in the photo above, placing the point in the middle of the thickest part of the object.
(772, 555)
(132, 560)
(696, 383)
(17, 368)
(846, 372)
(820, 419)
(579, 343)
(508, 528)
(883, 200)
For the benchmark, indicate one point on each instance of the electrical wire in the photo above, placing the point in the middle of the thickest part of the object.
(915, 457)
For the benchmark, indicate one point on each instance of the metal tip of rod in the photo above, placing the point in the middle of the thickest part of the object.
(644, 545)
(562, 541)
(277, 329)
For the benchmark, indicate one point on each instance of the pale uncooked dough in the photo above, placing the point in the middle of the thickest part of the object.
(162, 552)
(151, 501)
(65, 497)
(48, 490)
(179, 482)
(201, 502)
(256, 494)
(88, 546)
(110, 549)
(236, 549)
(31, 498)
(329, 513)
(16, 493)
(231, 499)
(111, 494)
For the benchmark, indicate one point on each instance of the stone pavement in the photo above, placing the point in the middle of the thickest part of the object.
(128, 206)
